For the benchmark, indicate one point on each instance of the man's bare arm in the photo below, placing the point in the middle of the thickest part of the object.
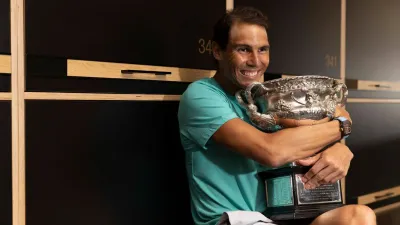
(279, 148)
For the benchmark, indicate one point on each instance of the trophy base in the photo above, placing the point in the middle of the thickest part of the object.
(287, 198)
(299, 212)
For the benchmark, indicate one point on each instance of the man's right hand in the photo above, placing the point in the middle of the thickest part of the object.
(288, 123)
(340, 111)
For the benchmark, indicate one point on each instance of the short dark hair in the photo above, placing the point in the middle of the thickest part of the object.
(244, 14)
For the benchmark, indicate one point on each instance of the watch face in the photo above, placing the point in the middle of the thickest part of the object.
(346, 127)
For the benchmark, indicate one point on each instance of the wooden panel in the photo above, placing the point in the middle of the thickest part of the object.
(93, 96)
(161, 33)
(374, 94)
(80, 68)
(5, 163)
(99, 85)
(5, 45)
(372, 100)
(304, 35)
(373, 46)
(375, 143)
(5, 64)
(388, 215)
(392, 208)
(49, 74)
(373, 85)
(5, 96)
(104, 162)
(5, 71)
(46, 74)
(379, 196)
(5, 83)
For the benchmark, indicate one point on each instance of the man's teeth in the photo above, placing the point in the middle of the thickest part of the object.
(249, 73)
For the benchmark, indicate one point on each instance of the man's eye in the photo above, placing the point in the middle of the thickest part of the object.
(243, 50)
(264, 49)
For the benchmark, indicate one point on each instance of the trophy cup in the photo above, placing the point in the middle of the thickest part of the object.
(308, 97)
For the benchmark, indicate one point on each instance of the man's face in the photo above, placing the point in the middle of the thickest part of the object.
(247, 54)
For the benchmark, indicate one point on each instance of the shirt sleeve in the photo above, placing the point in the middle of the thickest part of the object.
(202, 111)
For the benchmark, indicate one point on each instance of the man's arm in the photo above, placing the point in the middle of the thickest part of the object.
(279, 148)
(328, 166)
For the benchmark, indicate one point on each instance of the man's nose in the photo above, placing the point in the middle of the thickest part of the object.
(254, 59)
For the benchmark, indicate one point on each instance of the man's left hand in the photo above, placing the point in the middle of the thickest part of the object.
(328, 166)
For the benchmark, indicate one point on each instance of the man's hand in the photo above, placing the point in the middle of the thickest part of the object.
(287, 123)
(329, 166)
(340, 111)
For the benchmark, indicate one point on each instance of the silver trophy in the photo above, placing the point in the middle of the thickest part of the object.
(300, 98)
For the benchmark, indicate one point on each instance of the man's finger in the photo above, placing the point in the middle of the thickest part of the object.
(339, 177)
(309, 161)
(328, 179)
(337, 111)
(317, 180)
(318, 166)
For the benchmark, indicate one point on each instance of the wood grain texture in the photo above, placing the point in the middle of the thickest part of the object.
(18, 110)
(379, 195)
(5, 96)
(372, 100)
(373, 85)
(5, 64)
(82, 68)
(387, 208)
(93, 96)
(229, 4)
(343, 40)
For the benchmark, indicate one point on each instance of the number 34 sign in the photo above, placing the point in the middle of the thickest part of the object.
(205, 46)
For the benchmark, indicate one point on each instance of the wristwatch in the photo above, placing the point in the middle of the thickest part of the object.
(345, 126)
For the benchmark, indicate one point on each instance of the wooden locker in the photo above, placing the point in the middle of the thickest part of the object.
(104, 162)
(304, 35)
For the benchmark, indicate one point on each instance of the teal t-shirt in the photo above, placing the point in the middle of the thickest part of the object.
(220, 179)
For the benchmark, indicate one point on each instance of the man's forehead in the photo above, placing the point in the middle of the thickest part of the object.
(248, 34)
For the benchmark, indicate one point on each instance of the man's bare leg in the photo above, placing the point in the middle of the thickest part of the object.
(347, 215)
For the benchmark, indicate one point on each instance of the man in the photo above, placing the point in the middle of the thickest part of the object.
(224, 152)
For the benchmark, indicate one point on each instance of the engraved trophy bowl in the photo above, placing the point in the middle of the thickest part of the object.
(303, 97)
(308, 97)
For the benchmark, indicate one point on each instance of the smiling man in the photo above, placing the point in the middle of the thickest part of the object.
(244, 58)
(224, 151)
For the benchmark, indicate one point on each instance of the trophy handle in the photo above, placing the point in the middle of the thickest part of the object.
(342, 89)
(248, 91)
(239, 98)
(263, 121)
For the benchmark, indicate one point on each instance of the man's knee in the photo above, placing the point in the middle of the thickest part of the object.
(347, 215)
(363, 215)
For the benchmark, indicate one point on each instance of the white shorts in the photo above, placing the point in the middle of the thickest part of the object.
(244, 218)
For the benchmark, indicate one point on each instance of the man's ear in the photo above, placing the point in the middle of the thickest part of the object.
(217, 51)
